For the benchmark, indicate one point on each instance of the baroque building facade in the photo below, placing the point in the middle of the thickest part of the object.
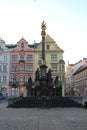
(80, 79)
(21, 65)
(4, 68)
(21, 60)
(71, 69)
(53, 57)
(69, 78)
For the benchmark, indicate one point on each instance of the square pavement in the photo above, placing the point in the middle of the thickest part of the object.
(42, 119)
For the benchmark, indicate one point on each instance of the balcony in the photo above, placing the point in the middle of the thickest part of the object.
(14, 84)
(21, 61)
(54, 61)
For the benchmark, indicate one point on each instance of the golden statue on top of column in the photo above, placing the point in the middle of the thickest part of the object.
(43, 27)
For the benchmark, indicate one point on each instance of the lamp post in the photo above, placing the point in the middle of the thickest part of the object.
(54, 90)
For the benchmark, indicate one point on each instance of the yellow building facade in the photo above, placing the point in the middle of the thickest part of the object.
(53, 57)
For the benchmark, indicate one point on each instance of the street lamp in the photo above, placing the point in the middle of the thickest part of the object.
(54, 90)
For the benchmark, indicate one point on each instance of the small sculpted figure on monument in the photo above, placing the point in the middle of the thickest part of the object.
(29, 87)
(49, 74)
(30, 81)
(37, 74)
(56, 81)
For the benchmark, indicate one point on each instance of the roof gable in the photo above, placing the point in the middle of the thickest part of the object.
(22, 40)
(52, 43)
(48, 39)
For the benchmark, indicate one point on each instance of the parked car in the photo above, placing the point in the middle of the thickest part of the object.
(1, 96)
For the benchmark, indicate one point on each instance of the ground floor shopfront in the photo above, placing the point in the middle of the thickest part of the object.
(4, 89)
(18, 91)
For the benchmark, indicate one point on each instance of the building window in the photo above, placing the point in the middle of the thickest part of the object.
(29, 58)
(60, 78)
(54, 67)
(22, 45)
(0, 68)
(48, 47)
(4, 68)
(5, 58)
(40, 57)
(21, 58)
(14, 57)
(21, 78)
(29, 68)
(4, 79)
(0, 79)
(26, 78)
(14, 68)
(62, 67)
(21, 67)
(63, 78)
(53, 57)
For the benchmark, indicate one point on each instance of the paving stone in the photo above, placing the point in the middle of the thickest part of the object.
(42, 119)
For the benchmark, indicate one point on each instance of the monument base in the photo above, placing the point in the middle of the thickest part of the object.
(42, 102)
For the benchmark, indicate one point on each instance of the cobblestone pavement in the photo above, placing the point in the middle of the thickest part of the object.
(42, 119)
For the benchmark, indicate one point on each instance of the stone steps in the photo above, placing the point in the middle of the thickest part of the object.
(41, 102)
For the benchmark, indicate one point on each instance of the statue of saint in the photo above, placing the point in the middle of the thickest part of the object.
(49, 74)
(43, 27)
(29, 86)
(56, 80)
(37, 74)
(30, 82)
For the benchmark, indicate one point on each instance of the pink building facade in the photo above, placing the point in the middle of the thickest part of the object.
(21, 66)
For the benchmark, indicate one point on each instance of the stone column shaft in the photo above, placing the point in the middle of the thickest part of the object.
(43, 50)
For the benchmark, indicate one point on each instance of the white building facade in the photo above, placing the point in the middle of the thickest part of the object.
(4, 68)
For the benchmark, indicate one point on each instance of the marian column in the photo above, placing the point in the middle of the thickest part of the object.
(43, 34)
(43, 67)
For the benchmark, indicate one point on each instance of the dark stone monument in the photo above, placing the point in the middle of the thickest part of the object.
(41, 75)
(43, 80)
(44, 86)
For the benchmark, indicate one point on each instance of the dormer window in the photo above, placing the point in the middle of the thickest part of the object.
(22, 45)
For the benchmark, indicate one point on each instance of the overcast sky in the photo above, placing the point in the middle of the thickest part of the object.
(66, 22)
